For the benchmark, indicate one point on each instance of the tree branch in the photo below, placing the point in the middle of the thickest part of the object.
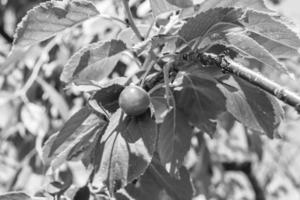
(229, 66)
(246, 168)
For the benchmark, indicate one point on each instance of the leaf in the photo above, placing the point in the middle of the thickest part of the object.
(50, 18)
(161, 6)
(257, 5)
(55, 98)
(145, 188)
(251, 106)
(202, 24)
(15, 196)
(198, 96)
(177, 188)
(277, 49)
(125, 150)
(174, 139)
(94, 62)
(271, 28)
(83, 139)
(181, 3)
(108, 97)
(250, 47)
(70, 127)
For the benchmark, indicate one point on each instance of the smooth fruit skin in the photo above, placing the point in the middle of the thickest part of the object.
(134, 100)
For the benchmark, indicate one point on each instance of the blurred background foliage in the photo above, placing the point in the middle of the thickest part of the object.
(34, 104)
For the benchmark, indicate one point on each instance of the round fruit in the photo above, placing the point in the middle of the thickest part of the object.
(134, 100)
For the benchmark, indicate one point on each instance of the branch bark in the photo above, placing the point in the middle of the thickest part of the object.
(229, 66)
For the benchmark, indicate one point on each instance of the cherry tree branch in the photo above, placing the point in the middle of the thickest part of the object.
(229, 66)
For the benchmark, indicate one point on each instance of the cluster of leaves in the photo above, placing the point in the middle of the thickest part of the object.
(143, 157)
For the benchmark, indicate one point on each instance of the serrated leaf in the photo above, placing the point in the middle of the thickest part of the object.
(161, 6)
(174, 139)
(181, 3)
(257, 5)
(108, 97)
(15, 196)
(250, 47)
(93, 63)
(277, 49)
(251, 106)
(201, 25)
(198, 96)
(271, 28)
(125, 150)
(49, 18)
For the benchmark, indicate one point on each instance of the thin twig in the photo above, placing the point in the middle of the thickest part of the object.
(131, 22)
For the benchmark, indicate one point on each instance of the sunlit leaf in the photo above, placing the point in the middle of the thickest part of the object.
(257, 5)
(250, 47)
(93, 62)
(202, 24)
(271, 28)
(50, 18)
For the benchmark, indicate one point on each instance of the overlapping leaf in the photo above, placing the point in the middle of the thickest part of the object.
(277, 49)
(93, 63)
(250, 47)
(251, 106)
(174, 139)
(125, 150)
(108, 97)
(49, 18)
(155, 181)
(257, 5)
(270, 27)
(198, 96)
(78, 135)
(202, 24)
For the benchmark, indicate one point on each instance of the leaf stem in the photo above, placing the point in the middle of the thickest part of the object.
(131, 22)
